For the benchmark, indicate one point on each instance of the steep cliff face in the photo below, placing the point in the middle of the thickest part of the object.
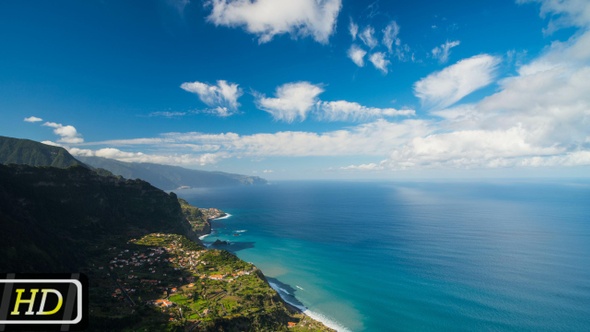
(53, 216)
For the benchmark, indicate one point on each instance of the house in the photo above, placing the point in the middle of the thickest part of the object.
(163, 303)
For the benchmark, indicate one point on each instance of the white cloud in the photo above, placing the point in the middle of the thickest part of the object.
(373, 138)
(350, 111)
(167, 114)
(390, 34)
(539, 118)
(139, 157)
(353, 28)
(368, 37)
(364, 167)
(299, 100)
(68, 134)
(379, 61)
(268, 18)
(468, 148)
(33, 119)
(293, 101)
(369, 139)
(222, 98)
(565, 13)
(443, 51)
(357, 54)
(52, 144)
(448, 86)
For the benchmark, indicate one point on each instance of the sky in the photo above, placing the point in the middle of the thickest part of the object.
(305, 89)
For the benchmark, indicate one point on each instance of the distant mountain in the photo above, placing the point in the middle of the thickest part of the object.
(27, 152)
(171, 177)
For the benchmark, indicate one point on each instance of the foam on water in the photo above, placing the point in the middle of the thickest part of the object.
(285, 295)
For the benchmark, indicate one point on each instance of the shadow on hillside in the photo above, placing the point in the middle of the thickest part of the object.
(235, 246)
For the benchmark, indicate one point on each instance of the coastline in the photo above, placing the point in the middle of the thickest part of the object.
(224, 216)
(290, 301)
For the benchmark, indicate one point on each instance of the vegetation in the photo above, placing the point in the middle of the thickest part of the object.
(23, 151)
(198, 220)
(139, 247)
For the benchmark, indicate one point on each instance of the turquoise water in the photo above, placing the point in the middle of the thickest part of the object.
(418, 256)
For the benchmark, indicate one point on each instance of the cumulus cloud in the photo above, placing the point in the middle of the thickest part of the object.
(448, 86)
(564, 13)
(140, 157)
(293, 101)
(357, 55)
(443, 51)
(538, 118)
(351, 111)
(299, 100)
(380, 62)
(268, 18)
(468, 148)
(33, 119)
(222, 98)
(370, 139)
(368, 37)
(68, 134)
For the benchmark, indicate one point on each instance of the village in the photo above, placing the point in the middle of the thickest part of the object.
(172, 273)
(188, 285)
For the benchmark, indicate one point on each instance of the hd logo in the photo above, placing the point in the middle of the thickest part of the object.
(47, 302)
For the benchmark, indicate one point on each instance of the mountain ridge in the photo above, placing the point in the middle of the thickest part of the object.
(28, 152)
(171, 177)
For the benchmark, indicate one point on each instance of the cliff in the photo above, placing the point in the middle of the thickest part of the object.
(27, 152)
(52, 215)
(133, 242)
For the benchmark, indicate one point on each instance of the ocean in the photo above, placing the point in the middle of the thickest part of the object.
(388, 256)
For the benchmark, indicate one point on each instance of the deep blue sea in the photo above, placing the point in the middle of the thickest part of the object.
(374, 256)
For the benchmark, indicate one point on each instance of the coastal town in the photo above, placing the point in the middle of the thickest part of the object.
(191, 284)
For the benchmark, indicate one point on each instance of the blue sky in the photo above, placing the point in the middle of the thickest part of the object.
(290, 89)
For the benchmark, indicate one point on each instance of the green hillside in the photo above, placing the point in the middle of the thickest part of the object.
(27, 152)
(138, 246)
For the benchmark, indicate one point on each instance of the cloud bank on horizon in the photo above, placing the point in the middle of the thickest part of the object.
(468, 113)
